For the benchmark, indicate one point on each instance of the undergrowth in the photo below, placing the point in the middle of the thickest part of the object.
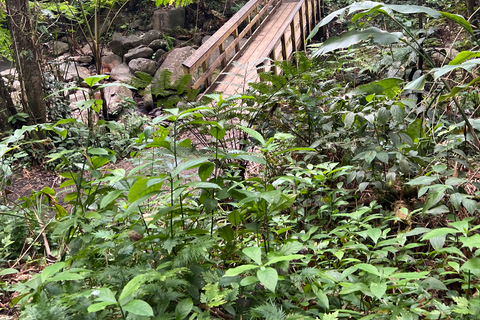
(303, 198)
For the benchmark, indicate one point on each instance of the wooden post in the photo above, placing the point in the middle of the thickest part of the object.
(235, 36)
(302, 29)
(185, 72)
(248, 20)
(294, 35)
(221, 49)
(273, 56)
(307, 16)
(283, 40)
(205, 67)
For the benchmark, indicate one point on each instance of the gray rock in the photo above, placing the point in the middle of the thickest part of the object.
(159, 55)
(122, 73)
(60, 47)
(71, 71)
(115, 96)
(138, 52)
(143, 65)
(151, 36)
(120, 46)
(84, 59)
(158, 44)
(174, 61)
(122, 20)
(110, 61)
(168, 19)
(148, 103)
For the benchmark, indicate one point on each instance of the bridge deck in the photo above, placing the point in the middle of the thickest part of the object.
(236, 76)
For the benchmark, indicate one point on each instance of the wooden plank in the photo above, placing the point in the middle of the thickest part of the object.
(223, 33)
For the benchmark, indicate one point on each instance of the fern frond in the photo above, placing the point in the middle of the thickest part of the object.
(268, 311)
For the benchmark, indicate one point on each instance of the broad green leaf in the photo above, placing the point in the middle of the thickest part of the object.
(51, 270)
(138, 307)
(352, 288)
(109, 198)
(7, 271)
(90, 81)
(388, 86)
(188, 165)
(99, 306)
(438, 242)
(417, 84)
(104, 295)
(349, 119)
(464, 56)
(471, 264)
(322, 298)
(254, 134)
(130, 288)
(471, 242)
(374, 234)
(205, 170)
(98, 151)
(183, 308)
(249, 157)
(141, 188)
(201, 185)
(355, 36)
(268, 277)
(284, 258)
(423, 180)
(409, 9)
(458, 19)
(378, 289)
(66, 276)
(254, 253)
(397, 112)
(470, 205)
(240, 269)
(217, 132)
(368, 268)
(248, 281)
(467, 65)
(410, 275)
(439, 232)
(290, 248)
(431, 283)
(415, 129)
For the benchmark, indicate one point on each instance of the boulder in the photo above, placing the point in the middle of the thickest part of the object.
(168, 19)
(122, 73)
(60, 47)
(83, 59)
(174, 61)
(158, 44)
(70, 71)
(151, 36)
(121, 45)
(138, 52)
(159, 55)
(115, 96)
(144, 65)
(110, 61)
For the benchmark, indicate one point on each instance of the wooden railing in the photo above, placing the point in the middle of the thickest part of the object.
(291, 36)
(261, 10)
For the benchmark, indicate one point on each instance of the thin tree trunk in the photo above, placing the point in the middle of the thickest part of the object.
(27, 60)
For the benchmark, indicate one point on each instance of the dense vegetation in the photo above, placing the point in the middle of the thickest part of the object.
(345, 188)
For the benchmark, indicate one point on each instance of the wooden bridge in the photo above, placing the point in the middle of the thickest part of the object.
(273, 30)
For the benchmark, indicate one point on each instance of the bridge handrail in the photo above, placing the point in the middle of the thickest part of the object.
(280, 38)
(216, 41)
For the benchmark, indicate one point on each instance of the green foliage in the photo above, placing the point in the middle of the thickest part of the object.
(304, 198)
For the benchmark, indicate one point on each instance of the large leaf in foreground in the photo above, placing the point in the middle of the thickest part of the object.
(355, 36)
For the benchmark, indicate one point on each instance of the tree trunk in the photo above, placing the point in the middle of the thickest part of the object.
(7, 107)
(27, 60)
